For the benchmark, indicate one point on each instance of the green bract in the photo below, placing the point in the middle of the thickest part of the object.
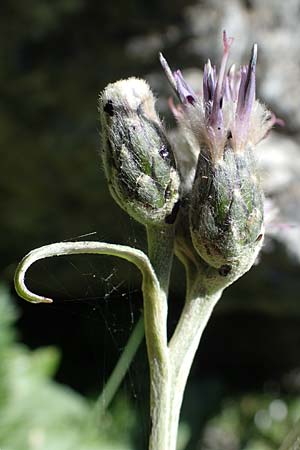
(226, 213)
(137, 157)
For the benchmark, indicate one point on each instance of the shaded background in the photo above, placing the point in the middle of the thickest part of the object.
(56, 56)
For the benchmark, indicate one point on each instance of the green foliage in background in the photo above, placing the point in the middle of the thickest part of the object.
(251, 422)
(38, 413)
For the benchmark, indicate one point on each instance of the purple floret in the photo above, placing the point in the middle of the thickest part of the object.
(184, 91)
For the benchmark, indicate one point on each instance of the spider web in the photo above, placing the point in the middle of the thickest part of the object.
(106, 297)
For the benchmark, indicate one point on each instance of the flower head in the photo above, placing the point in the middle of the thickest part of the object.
(227, 113)
(224, 197)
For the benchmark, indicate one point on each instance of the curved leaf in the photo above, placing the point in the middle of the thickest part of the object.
(135, 256)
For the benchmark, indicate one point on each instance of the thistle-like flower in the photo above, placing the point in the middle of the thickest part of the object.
(227, 113)
(223, 125)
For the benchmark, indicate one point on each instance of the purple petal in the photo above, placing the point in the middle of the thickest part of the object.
(178, 83)
(246, 97)
(209, 82)
(185, 92)
(216, 117)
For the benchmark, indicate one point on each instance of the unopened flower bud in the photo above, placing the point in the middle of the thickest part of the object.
(137, 157)
(226, 211)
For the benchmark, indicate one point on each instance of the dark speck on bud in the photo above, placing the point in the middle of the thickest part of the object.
(109, 108)
(164, 152)
(224, 270)
(137, 157)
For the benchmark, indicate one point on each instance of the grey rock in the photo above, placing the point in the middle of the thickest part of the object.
(279, 160)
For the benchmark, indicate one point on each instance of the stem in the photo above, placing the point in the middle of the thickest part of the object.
(155, 313)
(136, 257)
(170, 383)
(161, 257)
(120, 369)
(160, 250)
(170, 364)
(183, 347)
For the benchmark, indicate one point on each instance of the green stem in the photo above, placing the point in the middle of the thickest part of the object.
(155, 316)
(183, 347)
(169, 364)
(155, 304)
(133, 255)
(160, 254)
(160, 250)
(169, 384)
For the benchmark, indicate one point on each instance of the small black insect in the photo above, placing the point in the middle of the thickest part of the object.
(164, 152)
(109, 108)
(225, 270)
(229, 134)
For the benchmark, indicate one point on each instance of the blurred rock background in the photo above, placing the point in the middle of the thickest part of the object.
(56, 56)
